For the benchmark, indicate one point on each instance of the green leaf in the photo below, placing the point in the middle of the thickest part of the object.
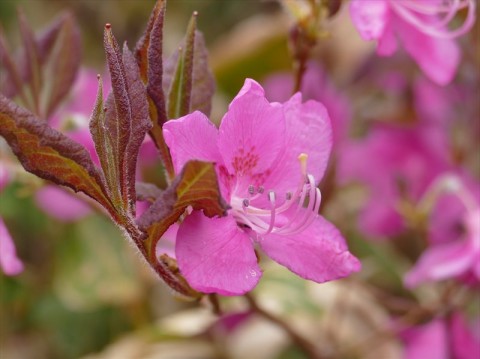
(51, 155)
(203, 81)
(126, 121)
(180, 90)
(196, 186)
(149, 57)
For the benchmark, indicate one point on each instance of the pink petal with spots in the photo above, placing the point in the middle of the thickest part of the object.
(319, 253)
(308, 131)
(61, 204)
(9, 261)
(370, 17)
(215, 256)
(438, 58)
(191, 137)
(440, 262)
(251, 135)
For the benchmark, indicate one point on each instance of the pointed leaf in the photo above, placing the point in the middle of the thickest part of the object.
(149, 57)
(126, 120)
(49, 154)
(47, 64)
(203, 82)
(10, 80)
(32, 62)
(179, 94)
(62, 63)
(104, 147)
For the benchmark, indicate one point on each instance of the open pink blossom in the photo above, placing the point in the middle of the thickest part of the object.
(396, 164)
(457, 257)
(422, 27)
(260, 152)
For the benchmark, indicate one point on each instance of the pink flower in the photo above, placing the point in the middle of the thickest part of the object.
(260, 152)
(421, 26)
(317, 86)
(442, 339)
(458, 256)
(396, 164)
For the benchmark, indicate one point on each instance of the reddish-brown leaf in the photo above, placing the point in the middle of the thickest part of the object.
(62, 56)
(49, 154)
(126, 119)
(148, 53)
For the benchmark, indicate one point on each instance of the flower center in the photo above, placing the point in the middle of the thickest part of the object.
(303, 203)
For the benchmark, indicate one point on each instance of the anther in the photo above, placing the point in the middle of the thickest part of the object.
(246, 202)
(251, 189)
(260, 189)
(288, 195)
(303, 157)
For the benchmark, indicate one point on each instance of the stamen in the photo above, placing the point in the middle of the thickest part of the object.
(246, 202)
(260, 189)
(251, 190)
(288, 196)
(271, 198)
(412, 13)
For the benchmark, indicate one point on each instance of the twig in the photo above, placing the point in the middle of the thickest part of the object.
(307, 347)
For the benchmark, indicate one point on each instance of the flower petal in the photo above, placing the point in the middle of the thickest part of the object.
(308, 131)
(438, 58)
(215, 256)
(440, 262)
(60, 204)
(191, 137)
(426, 341)
(370, 17)
(319, 253)
(251, 135)
(9, 261)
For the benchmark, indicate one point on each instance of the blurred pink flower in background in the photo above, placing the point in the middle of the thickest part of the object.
(396, 164)
(315, 86)
(9, 261)
(259, 146)
(421, 26)
(458, 255)
(444, 338)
